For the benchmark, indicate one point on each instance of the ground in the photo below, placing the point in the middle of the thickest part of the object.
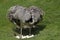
(49, 27)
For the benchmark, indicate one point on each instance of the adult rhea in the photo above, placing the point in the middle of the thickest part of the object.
(22, 16)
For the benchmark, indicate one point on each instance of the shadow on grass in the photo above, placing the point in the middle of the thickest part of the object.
(34, 31)
(37, 29)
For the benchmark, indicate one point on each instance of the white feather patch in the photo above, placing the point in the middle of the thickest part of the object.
(23, 37)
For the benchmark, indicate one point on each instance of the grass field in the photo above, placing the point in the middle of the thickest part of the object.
(51, 21)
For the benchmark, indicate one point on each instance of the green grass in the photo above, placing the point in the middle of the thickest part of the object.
(51, 19)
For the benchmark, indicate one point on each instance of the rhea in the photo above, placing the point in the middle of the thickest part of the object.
(24, 17)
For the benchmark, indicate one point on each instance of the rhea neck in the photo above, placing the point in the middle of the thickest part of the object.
(32, 18)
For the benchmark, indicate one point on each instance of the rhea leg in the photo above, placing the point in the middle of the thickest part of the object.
(30, 31)
(21, 32)
(20, 29)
